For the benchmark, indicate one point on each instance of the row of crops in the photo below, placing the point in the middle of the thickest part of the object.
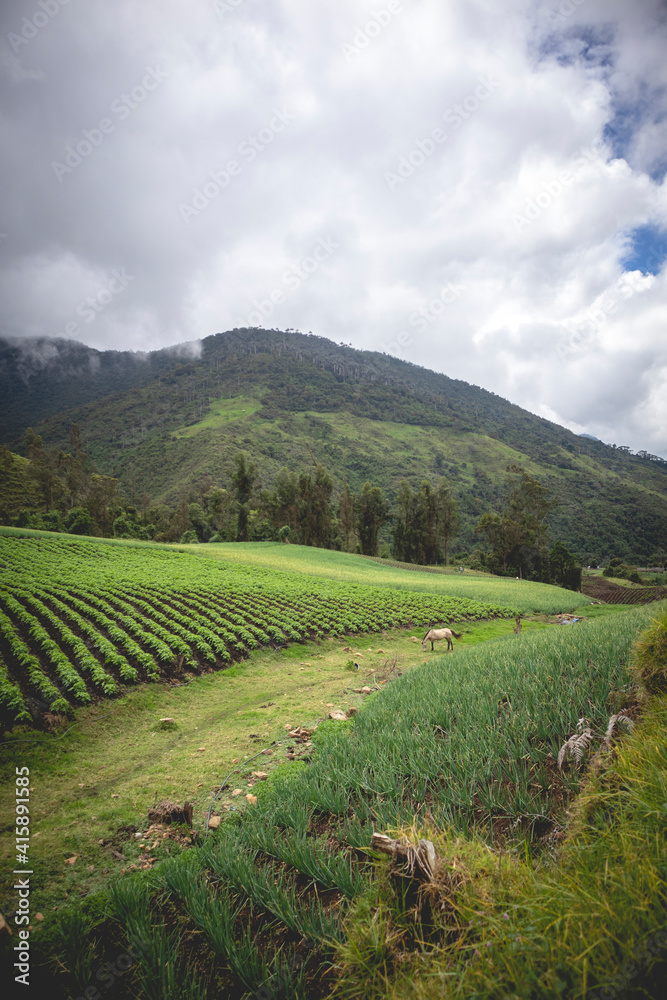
(80, 619)
(465, 743)
(343, 567)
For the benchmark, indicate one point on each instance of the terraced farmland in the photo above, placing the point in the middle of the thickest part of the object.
(81, 618)
(599, 588)
(286, 899)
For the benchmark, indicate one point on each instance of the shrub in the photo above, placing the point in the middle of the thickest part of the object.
(621, 571)
(125, 527)
(52, 521)
(79, 521)
(27, 519)
(649, 660)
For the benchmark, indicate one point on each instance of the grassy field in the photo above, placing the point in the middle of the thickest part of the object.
(465, 744)
(97, 782)
(222, 412)
(285, 899)
(349, 568)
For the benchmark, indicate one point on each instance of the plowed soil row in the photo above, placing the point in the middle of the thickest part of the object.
(601, 589)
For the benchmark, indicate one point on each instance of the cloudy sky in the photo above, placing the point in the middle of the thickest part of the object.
(474, 186)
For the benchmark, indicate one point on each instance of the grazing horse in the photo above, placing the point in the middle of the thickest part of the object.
(434, 634)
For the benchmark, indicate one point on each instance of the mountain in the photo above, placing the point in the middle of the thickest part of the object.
(169, 423)
(43, 376)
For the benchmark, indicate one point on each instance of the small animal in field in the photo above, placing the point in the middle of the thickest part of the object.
(517, 627)
(435, 634)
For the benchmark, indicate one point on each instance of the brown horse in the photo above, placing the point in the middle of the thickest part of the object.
(435, 634)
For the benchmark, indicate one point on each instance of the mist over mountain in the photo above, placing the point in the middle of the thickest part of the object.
(166, 422)
(43, 376)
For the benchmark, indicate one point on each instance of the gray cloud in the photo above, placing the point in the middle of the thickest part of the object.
(525, 143)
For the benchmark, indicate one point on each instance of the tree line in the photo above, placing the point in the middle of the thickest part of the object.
(63, 492)
(300, 507)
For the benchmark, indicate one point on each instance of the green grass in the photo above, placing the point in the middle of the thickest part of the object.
(593, 924)
(99, 779)
(222, 411)
(410, 444)
(349, 568)
(463, 742)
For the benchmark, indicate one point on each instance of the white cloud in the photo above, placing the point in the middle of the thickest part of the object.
(527, 142)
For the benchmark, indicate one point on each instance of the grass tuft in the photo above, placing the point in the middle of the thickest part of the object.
(649, 659)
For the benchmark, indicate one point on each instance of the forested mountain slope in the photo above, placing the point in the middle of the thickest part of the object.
(44, 376)
(170, 421)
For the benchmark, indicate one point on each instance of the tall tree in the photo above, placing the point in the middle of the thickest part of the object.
(221, 511)
(43, 469)
(518, 534)
(501, 533)
(102, 494)
(563, 568)
(372, 513)
(529, 503)
(315, 507)
(75, 440)
(199, 521)
(346, 512)
(243, 481)
(449, 521)
(180, 522)
(402, 536)
(426, 521)
(283, 503)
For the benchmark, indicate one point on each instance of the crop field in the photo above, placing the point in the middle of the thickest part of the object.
(329, 564)
(466, 744)
(81, 618)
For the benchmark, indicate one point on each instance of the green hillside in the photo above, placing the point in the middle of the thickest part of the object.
(285, 399)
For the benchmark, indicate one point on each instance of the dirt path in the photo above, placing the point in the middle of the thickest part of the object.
(91, 788)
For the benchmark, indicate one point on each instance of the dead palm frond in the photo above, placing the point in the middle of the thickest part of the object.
(578, 744)
(575, 747)
(615, 721)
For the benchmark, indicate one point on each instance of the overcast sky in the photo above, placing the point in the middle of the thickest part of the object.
(474, 186)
